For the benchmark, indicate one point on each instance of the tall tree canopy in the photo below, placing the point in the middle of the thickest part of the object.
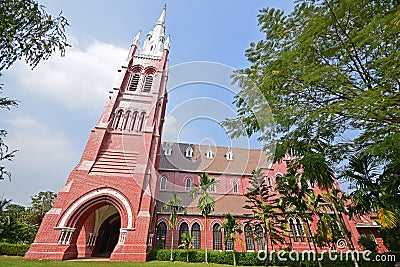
(328, 67)
(26, 32)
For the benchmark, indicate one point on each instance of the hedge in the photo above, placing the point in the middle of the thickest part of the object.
(13, 249)
(251, 259)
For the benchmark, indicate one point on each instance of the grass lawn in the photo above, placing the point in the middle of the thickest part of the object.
(12, 261)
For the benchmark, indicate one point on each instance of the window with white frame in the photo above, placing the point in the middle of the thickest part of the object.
(212, 187)
(188, 184)
(209, 153)
(189, 152)
(229, 155)
(167, 151)
(163, 183)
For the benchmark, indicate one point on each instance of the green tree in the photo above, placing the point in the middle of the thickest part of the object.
(26, 32)
(187, 244)
(367, 243)
(206, 202)
(262, 202)
(40, 204)
(174, 206)
(376, 188)
(328, 67)
(232, 229)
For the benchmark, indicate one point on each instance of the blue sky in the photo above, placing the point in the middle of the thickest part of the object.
(62, 99)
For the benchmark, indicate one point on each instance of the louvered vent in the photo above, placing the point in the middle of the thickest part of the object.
(148, 83)
(134, 82)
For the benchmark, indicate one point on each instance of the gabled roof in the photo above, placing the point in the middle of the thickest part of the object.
(244, 161)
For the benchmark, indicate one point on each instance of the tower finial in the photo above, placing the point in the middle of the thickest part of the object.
(165, 6)
(136, 40)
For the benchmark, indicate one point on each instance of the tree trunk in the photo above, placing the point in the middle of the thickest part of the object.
(349, 243)
(205, 227)
(234, 257)
(171, 258)
(266, 245)
(313, 240)
(187, 255)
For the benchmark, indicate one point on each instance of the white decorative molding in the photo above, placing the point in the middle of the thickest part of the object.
(86, 165)
(92, 194)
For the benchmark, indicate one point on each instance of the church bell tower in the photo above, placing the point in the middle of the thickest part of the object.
(106, 207)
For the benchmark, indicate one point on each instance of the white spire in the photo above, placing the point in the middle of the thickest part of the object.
(136, 40)
(155, 43)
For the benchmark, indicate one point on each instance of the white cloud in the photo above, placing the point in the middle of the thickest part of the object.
(44, 159)
(81, 79)
(170, 129)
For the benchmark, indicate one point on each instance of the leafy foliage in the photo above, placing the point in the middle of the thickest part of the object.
(206, 202)
(27, 31)
(174, 206)
(367, 243)
(232, 229)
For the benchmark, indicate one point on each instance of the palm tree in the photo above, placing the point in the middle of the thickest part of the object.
(264, 206)
(206, 203)
(187, 244)
(174, 206)
(231, 229)
(376, 185)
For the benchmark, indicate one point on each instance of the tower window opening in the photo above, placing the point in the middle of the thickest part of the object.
(133, 121)
(141, 121)
(126, 121)
(134, 82)
(148, 83)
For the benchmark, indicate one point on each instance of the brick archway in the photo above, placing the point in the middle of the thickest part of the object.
(75, 214)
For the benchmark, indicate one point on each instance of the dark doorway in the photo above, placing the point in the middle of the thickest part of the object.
(108, 237)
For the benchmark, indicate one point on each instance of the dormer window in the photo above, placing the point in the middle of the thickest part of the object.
(167, 151)
(189, 152)
(209, 153)
(229, 155)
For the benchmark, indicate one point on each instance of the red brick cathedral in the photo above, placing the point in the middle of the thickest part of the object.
(111, 204)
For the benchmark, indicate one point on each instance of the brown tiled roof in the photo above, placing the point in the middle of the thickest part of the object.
(244, 160)
(232, 204)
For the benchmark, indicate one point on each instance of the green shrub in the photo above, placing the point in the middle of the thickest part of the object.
(367, 243)
(251, 259)
(13, 249)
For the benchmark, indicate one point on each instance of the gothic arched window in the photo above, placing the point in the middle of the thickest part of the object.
(217, 237)
(118, 119)
(126, 120)
(188, 184)
(163, 183)
(260, 237)
(141, 121)
(133, 121)
(300, 230)
(235, 187)
(293, 229)
(184, 228)
(196, 233)
(161, 235)
(248, 234)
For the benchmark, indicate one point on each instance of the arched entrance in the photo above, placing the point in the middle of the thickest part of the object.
(107, 238)
(91, 226)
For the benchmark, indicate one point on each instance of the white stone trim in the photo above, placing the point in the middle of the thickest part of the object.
(93, 194)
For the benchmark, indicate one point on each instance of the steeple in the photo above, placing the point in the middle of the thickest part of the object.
(154, 43)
